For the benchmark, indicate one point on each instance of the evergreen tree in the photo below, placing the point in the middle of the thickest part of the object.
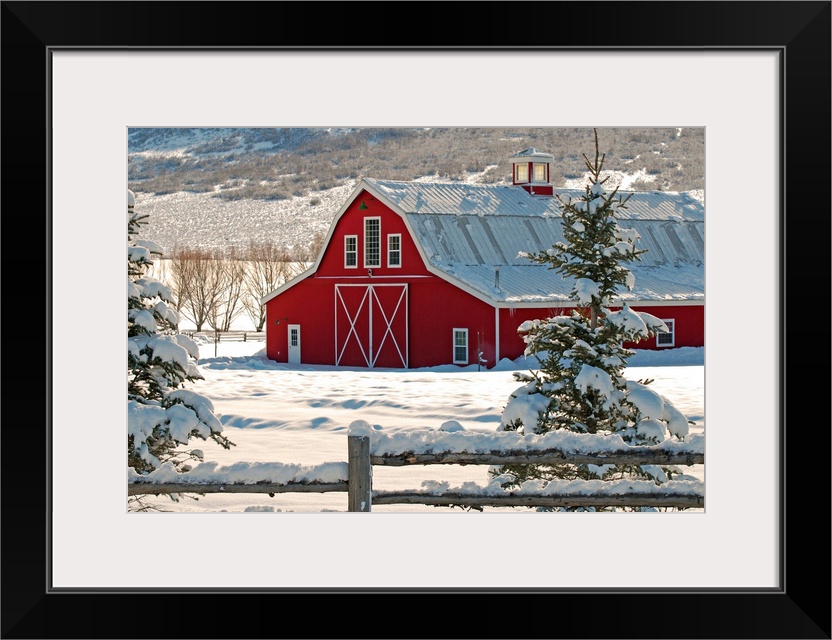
(580, 384)
(162, 416)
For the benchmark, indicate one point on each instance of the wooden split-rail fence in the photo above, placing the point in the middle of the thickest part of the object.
(228, 336)
(356, 479)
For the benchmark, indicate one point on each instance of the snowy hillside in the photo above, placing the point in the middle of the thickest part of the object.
(217, 187)
(198, 220)
(180, 141)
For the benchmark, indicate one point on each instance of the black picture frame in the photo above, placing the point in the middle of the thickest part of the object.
(800, 608)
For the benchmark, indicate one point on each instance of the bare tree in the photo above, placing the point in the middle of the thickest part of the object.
(198, 282)
(269, 266)
(229, 304)
(181, 275)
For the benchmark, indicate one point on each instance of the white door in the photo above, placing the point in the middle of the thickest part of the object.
(294, 344)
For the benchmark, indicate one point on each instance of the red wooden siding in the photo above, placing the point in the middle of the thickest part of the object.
(352, 223)
(438, 308)
(511, 344)
(310, 304)
(689, 326)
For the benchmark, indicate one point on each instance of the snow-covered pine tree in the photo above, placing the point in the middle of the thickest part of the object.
(162, 416)
(580, 384)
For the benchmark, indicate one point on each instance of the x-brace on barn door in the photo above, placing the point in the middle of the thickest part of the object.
(371, 325)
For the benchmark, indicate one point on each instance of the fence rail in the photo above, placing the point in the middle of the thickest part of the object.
(139, 487)
(356, 479)
(633, 455)
(451, 499)
(228, 336)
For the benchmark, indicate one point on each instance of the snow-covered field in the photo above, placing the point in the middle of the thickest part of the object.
(300, 414)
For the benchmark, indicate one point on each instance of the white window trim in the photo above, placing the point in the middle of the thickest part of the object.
(399, 250)
(366, 244)
(543, 179)
(351, 266)
(672, 327)
(517, 166)
(453, 340)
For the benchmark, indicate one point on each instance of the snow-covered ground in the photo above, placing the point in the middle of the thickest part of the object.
(300, 414)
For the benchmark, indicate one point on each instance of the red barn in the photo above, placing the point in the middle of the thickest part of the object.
(417, 274)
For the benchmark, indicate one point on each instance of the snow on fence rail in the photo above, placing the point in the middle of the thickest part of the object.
(228, 336)
(367, 448)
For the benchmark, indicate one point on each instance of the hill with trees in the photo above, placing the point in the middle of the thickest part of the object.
(215, 188)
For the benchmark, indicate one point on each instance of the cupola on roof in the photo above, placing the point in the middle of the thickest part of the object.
(532, 170)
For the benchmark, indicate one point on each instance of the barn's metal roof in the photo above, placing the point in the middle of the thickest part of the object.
(472, 231)
(505, 200)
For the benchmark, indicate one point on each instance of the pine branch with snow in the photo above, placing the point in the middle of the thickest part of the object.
(162, 415)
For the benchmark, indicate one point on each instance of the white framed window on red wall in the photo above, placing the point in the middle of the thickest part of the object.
(460, 346)
(394, 250)
(372, 242)
(667, 339)
(351, 252)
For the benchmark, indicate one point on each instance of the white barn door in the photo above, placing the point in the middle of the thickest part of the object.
(371, 325)
(294, 343)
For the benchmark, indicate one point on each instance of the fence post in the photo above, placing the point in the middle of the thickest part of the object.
(360, 475)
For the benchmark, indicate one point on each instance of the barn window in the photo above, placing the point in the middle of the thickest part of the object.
(350, 251)
(394, 250)
(521, 172)
(667, 339)
(460, 346)
(539, 172)
(372, 242)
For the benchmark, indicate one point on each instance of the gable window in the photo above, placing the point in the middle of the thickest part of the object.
(460, 346)
(521, 172)
(667, 339)
(351, 252)
(539, 172)
(394, 250)
(372, 242)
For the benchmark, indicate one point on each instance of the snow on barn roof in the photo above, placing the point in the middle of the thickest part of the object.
(461, 198)
(470, 232)
(531, 152)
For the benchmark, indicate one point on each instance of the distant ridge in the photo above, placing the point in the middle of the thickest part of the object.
(218, 187)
